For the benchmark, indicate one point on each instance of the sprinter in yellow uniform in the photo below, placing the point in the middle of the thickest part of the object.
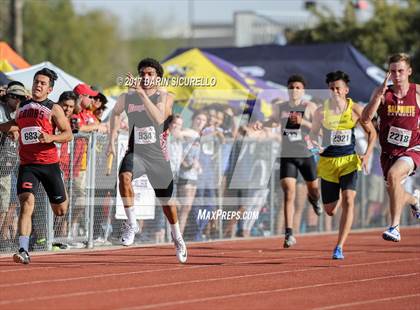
(339, 164)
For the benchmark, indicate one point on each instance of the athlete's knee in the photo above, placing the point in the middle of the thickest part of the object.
(394, 177)
(289, 193)
(330, 208)
(27, 202)
(289, 197)
(60, 209)
(348, 200)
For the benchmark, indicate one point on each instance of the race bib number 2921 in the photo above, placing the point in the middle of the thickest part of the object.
(341, 137)
(30, 135)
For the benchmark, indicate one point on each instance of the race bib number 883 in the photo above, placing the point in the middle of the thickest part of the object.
(30, 135)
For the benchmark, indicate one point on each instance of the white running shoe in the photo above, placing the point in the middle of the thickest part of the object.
(289, 241)
(392, 234)
(128, 234)
(415, 209)
(181, 249)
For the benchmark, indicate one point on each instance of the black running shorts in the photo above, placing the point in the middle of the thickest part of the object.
(49, 175)
(330, 191)
(158, 172)
(289, 168)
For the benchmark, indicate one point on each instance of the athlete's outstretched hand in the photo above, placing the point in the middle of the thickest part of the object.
(365, 163)
(13, 135)
(382, 89)
(45, 138)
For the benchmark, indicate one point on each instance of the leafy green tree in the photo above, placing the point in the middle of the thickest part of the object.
(393, 28)
(87, 46)
(4, 20)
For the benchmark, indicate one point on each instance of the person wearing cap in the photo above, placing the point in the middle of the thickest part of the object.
(83, 121)
(15, 94)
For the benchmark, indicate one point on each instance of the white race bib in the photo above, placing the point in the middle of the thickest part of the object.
(293, 134)
(399, 136)
(341, 137)
(30, 134)
(144, 135)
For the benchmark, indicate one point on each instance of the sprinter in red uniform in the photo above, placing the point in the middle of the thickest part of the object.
(36, 120)
(399, 135)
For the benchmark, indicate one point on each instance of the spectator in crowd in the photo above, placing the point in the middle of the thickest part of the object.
(190, 167)
(83, 121)
(98, 107)
(206, 194)
(15, 94)
(68, 101)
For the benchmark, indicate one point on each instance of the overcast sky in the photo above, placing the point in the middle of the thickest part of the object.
(176, 12)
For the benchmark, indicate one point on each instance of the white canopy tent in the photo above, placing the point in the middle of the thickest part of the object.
(64, 82)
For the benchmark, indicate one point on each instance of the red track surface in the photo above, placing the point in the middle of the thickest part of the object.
(237, 274)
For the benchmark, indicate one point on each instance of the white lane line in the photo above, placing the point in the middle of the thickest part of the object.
(131, 288)
(141, 259)
(364, 302)
(198, 300)
(6, 285)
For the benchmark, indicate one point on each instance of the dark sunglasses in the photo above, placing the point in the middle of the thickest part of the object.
(13, 96)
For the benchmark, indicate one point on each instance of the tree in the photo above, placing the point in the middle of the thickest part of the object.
(87, 46)
(393, 28)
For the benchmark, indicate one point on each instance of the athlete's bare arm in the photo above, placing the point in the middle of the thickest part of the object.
(309, 115)
(370, 132)
(63, 125)
(418, 94)
(316, 125)
(158, 113)
(115, 123)
(90, 127)
(375, 101)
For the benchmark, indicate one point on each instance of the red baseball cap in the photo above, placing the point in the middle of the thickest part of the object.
(84, 89)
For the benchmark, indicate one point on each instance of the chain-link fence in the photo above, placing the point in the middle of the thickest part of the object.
(224, 189)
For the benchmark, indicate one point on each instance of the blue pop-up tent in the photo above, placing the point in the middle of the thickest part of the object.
(3, 79)
(276, 63)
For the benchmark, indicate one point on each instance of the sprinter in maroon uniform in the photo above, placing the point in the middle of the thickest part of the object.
(36, 120)
(399, 135)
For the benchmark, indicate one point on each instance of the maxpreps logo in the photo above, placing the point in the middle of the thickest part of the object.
(226, 215)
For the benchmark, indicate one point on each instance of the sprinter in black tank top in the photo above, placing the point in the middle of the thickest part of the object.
(147, 108)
